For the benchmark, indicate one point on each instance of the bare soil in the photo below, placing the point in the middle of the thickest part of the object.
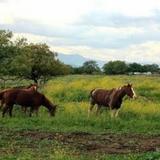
(98, 143)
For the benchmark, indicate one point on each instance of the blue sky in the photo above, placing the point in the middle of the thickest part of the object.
(97, 29)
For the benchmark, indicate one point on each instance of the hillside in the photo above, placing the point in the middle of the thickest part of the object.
(76, 60)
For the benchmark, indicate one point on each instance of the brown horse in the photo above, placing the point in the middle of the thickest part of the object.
(30, 87)
(110, 98)
(28, 98)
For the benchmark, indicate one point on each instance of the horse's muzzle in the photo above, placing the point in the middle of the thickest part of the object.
(134, 97)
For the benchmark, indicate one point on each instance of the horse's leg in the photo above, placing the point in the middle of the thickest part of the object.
(1, 104)
(31, 111)
(5, 110)
(117, 112)
(24, 109)
(98, 109)
(36, 110)
(10, 110)
(113, 111)
(91, 107)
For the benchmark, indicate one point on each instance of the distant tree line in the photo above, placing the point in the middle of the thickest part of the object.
(28, 60)
(114, 68)
(35, 61)
(121, 67)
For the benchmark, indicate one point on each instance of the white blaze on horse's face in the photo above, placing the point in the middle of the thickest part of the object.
(134, 94)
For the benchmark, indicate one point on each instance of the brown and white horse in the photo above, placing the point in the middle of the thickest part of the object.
(110, 98)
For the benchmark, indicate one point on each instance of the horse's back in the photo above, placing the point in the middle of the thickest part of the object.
(101, 96)
(19, 96)
(10, 95)
(29, 98)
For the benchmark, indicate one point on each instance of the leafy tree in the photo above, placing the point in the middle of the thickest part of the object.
(115, 67)
(28, 60)
(135, 67)
(7, 50)
(154, 68)
(77, 70)
(35, 61)
(90, 67)
(5, 37)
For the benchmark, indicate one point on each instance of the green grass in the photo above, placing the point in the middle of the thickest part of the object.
(71, 93)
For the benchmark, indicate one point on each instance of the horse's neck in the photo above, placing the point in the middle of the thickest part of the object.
(47, 104)
(121, 93)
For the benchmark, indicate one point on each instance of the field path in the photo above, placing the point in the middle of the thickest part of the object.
(97, 143)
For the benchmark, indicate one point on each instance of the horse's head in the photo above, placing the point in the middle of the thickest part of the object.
(53, 110)
(48, 104)
(129, 91)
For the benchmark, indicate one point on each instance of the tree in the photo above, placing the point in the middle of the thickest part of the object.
(35, 61)
(22, 59)
(135, 67)
(5, 37)
(77, 70)
(90, 67)
(7, 50)
(154, 68)
(115, 67)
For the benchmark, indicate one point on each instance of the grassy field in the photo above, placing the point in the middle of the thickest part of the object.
(72, 135)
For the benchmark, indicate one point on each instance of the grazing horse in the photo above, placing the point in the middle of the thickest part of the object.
(28, 98)
(110, 98)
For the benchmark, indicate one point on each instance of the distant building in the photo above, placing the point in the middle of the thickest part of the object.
(140, 73)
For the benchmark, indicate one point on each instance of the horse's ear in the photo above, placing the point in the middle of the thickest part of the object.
(129, 85)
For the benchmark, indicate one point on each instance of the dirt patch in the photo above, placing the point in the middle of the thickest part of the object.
(99, 143)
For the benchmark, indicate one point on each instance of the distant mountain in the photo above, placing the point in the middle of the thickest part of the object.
(76, 60)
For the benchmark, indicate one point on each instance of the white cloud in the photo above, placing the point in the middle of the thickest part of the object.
(5, 13)
(52, 12)
(102, 29)
(128, 7)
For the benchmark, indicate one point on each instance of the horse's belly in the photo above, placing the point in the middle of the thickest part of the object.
(102, 102)
(24, 101)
